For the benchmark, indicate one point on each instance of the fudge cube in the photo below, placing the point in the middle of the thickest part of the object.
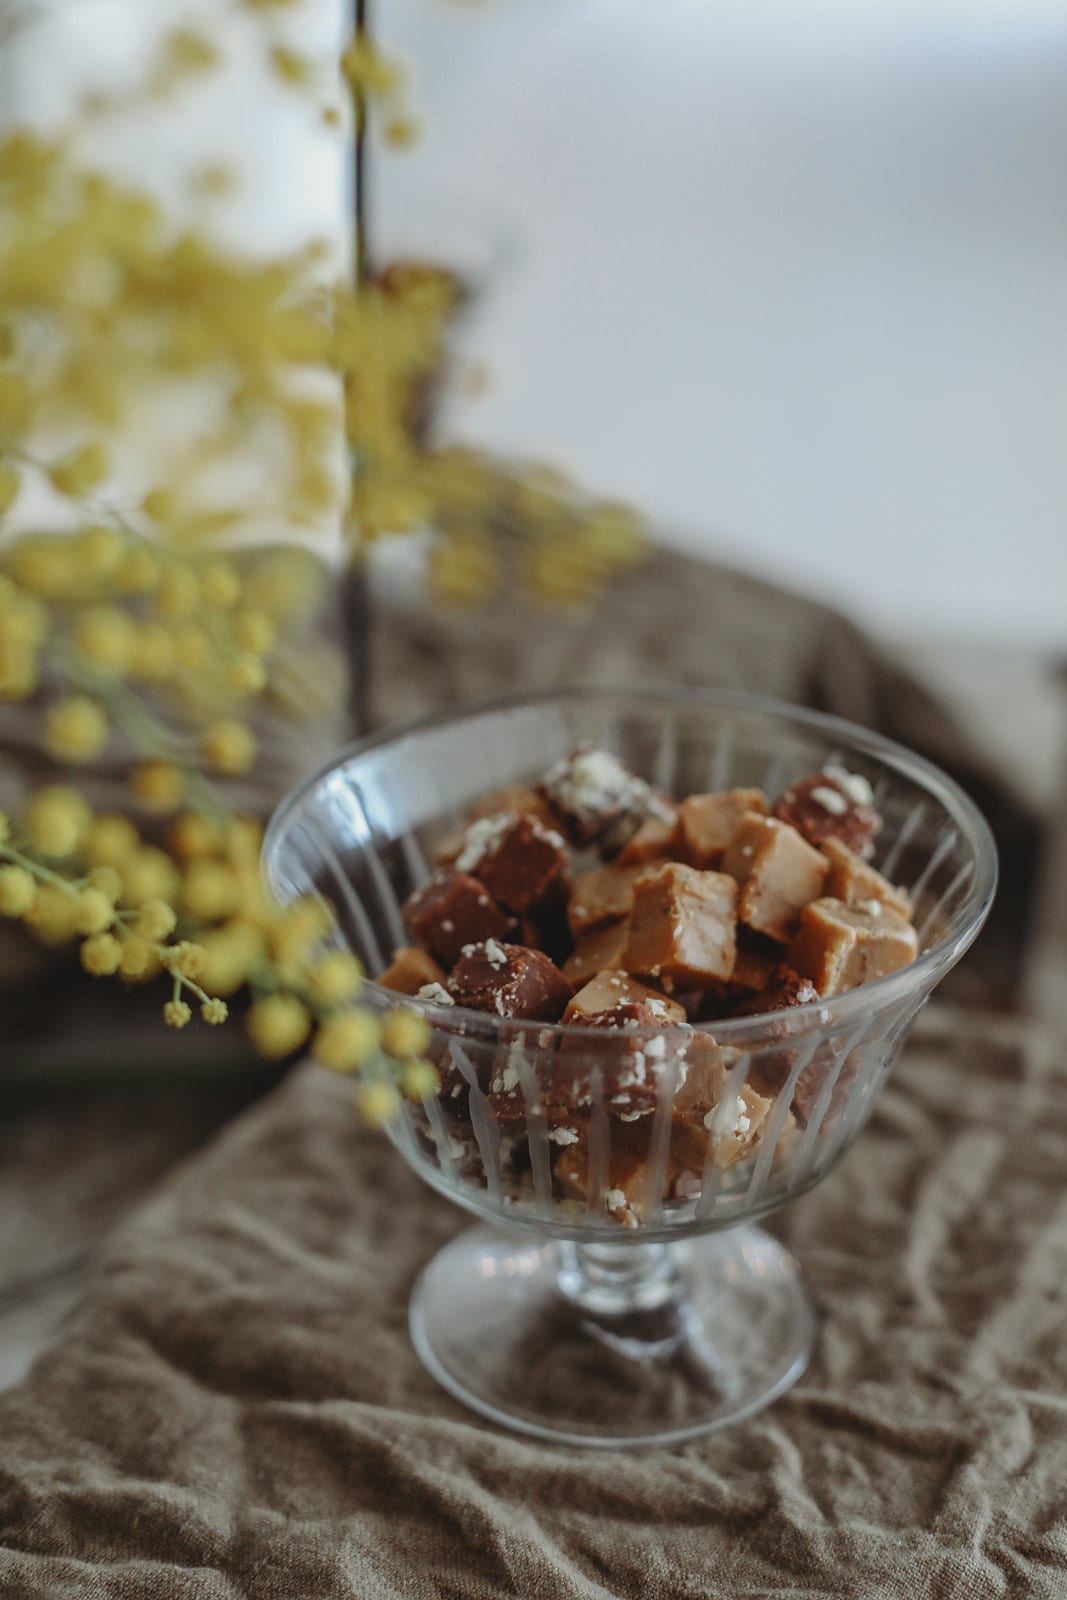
(453, 909)
(593, 793)
(832, 804)
(772, 1068)
(605, 895)
(517, 858)
(756, 960)
(652, 818)
(610, 989)
(854, 880)
(409, 970)
(784, 988)
(683, 926)
(702, 1120)
(653, 837)
(629, 1062)
(840, 947)
(777, 871)
(707, 823)
(508, 980)
(514, 797)
(628, 1192)
(597, 951)
(506, 1094)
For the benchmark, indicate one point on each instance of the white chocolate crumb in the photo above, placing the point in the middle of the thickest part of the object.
(830, 800)
(615, 1199)
(854, 784)
(437, 993)
(563, 1136)
(655, 1048)
(448, 926)
(483, 838)
(495, 954)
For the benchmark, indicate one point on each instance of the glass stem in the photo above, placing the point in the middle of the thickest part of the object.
(616, 1279)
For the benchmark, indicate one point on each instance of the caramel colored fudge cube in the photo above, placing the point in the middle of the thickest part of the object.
(840, 947)
(683, 926)
(517, 858)
(508, 980)
(854, 880)
(701, 1119)
(832, 804)
(453, 909)
(409, 970)
(596, 951)
(610, 989)
(778, 872)
(708, 822)
(653, 839)
(605, 895)
(629, 1191)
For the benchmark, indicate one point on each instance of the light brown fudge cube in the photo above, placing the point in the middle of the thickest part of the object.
(854, 880)
(778, 872)
(409, 970)
(598, 951)
(610, 989)
(629, 1192)
(653, 840)
(840, 947)
(605, 895)
(683, 926)
(707, 823)
(700, 1118)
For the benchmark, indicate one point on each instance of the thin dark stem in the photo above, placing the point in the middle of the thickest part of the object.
(357, 608)
(359, 162)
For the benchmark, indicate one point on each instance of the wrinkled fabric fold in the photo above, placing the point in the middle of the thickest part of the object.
(234, 1409)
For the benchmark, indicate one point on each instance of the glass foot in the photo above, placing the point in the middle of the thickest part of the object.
(614, 1345)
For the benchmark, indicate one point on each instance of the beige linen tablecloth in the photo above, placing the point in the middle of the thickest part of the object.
(233, 1410)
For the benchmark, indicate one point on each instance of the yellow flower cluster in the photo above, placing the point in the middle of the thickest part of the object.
(152, 619)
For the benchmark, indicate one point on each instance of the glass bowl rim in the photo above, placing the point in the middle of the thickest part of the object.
(919, 977)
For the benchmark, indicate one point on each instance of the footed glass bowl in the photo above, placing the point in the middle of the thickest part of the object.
(617, 1290)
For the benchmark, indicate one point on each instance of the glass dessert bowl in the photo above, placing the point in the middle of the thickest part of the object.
(618, 1290)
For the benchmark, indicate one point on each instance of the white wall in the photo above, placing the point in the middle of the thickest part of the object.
(791, 274)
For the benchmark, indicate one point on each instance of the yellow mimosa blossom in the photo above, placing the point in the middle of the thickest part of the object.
(346, 1041)
(176, 1014)
(17, 891)
(378, 1103)
(93, 911)
(159, 785)
(419, 1080)
(156, 920)
(57, 820)
(230, 747)
(277, 1025)
(405, 1034)
(75, 729)
(101, 955)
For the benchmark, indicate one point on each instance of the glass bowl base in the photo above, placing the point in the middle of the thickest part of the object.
(614, 1345)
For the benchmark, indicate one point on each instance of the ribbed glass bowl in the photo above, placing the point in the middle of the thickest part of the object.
(569, 1314)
